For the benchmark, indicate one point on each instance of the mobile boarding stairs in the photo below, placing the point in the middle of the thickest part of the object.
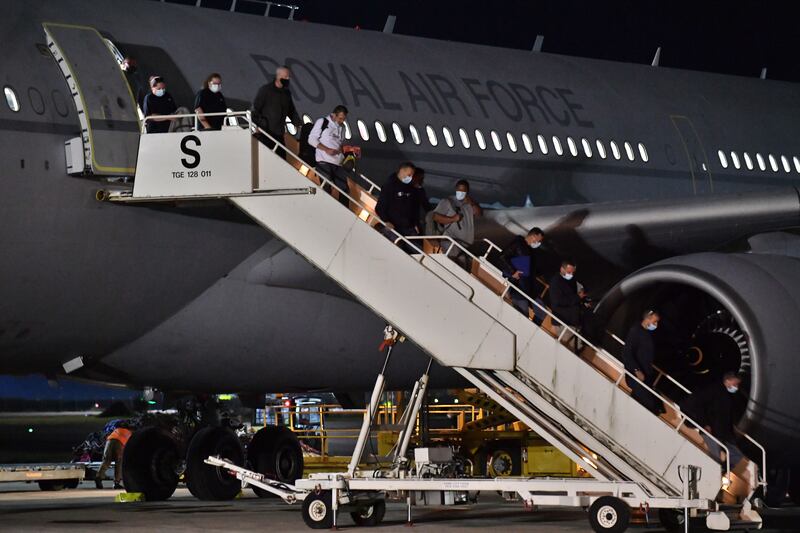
(580, 403)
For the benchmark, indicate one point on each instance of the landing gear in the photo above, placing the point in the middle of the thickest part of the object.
(318, 510)
(609, 515)
(275, 452)
(150, 464)
(208, 482)
(371, 515)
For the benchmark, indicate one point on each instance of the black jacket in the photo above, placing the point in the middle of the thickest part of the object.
(271, 107)
(564, 300)
(639, 352)
(518, 247)
(400, 204)
(711, 406)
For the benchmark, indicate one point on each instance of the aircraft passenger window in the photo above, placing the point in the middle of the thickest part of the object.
(362, 130)
(398, 133)
(615, 150)
(796, 164)
(761, 164)
(573, 148)
(526, 141)
(431, 136)
(542, 144)
(587, 149)
(773, 163)
(722, 159)
(512, 143)
(414, 134)
(480, 140)
(307, 119)
(629, 150)
(601, 149)
(448, 136)
(291, 128)
(735, 158)
(496, 141)
(643, 153)
(747, 161)
(379, 129)
(786, 166)
(464, 137)
(347, 133)
(557, 146)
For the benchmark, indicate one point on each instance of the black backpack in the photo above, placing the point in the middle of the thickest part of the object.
(308, 152)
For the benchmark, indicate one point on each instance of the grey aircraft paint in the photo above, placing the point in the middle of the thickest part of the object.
(199, 299)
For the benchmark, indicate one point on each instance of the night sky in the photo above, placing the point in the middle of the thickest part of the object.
(733, 37)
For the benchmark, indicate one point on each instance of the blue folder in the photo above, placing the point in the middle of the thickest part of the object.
(523, 264)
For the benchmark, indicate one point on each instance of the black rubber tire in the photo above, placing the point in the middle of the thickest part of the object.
(150, 464)
(507, 449)
(208, 482)
(371, 515)
(609, 515)
(72, 483)
(51, 485)
(672, 519)
(276, 453)
(318, 510)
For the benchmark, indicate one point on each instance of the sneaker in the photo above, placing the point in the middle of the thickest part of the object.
(117, 485)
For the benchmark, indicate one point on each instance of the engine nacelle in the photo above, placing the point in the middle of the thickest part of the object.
(725, 312)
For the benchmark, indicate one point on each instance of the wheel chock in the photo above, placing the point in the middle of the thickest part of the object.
(124, 497)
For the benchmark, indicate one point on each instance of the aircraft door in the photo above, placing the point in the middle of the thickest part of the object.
(702, 181)
(106, 108)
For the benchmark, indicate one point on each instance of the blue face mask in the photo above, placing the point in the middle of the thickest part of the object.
(160, 92)
(567, 276)
(407, 179)
(460, 195)
(652, 327)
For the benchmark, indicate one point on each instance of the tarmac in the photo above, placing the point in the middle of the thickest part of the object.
(23, 507)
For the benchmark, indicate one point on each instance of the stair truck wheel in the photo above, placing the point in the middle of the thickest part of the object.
(318, 510)
(207, 482)
(672, 519)
(609, 515)
(276, 453)
(371, 515)
(150, 464)
(49, 485)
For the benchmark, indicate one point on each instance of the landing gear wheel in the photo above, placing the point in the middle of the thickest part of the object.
(371, 515)
(318, 510)
(150, 464)
(208, 482)
(276, 453)
(609, 515)
(672, 519)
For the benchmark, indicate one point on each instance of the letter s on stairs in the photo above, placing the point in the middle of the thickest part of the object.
(190, 163)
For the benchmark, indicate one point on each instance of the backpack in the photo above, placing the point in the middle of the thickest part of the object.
(431, 226)
(307, 152)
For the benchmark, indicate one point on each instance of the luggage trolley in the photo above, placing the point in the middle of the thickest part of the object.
(433, 480)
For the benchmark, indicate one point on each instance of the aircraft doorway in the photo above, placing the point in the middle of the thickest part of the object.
(702, 182)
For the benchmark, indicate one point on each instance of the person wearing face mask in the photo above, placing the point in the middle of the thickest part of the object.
(456, 215)
(158, 103)
(138, 88)
(519, 262)
(273, 104)
(399, 203)
(327, 137)
(210, 99)
(638, 357)
(712, 407)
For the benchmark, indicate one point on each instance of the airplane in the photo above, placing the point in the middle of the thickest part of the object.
(672, 189)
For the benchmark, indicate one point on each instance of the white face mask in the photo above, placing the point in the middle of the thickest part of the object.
(567, 276)
(407, 179)
(652, 327)
(535, 245)
(460, 195)
(732, 389)
(214, 87)
(160, 92)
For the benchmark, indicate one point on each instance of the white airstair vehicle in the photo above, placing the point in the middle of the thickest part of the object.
(579, 402)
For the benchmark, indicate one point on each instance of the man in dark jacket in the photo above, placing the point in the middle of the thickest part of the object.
(399, 203)
(272, 105)
(519, 265)
(638, 357)
(712, 408)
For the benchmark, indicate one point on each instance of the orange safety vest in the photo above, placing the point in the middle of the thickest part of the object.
(121, 434)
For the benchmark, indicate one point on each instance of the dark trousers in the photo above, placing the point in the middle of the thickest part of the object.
(111, 453)
(269, 143)
(405, 232)
(528, 286)
(338, 176)
(644, 396)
